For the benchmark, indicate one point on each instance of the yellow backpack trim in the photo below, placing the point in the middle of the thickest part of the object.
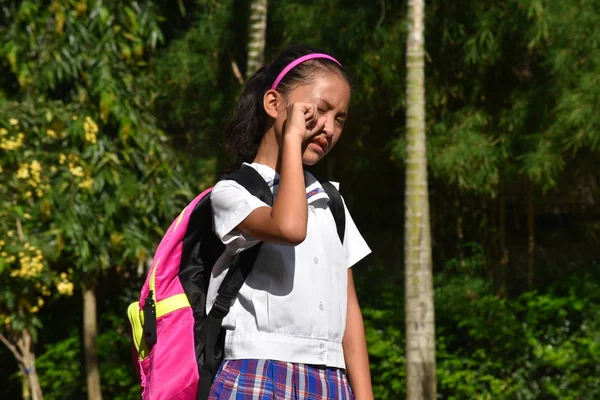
(136, 319)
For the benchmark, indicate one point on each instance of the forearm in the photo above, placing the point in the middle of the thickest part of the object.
(286, 221)
(355, 348)
(290, 209)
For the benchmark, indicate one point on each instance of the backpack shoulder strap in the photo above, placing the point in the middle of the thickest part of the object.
(242, 263)
(239, 269)
(249, 178)
(336, 205)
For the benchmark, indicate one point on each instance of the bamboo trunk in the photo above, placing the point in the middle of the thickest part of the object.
(420, 320)
(257, 36)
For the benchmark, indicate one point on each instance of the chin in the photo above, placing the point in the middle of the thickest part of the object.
(311, 158)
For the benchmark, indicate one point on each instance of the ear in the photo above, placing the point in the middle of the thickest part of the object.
(272, 103)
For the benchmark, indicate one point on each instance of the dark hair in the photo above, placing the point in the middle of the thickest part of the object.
(244, 132)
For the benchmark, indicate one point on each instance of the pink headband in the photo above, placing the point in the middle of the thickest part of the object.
(300, 61)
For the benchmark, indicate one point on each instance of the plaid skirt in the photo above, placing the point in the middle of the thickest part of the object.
(266, 379)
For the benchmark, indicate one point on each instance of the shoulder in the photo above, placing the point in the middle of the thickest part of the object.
(227, 191)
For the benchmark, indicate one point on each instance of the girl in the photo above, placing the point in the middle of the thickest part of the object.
(296, 324)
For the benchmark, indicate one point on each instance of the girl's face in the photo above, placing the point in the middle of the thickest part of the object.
(331, 94)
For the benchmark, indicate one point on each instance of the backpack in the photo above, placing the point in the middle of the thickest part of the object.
(177, 346)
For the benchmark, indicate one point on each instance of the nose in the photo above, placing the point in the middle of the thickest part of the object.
(329, 126)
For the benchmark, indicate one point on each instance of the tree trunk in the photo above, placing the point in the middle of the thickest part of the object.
(257, 36)
(26, 359)
(421, 380)
(90, 332)
(531, 235)
(26, 393)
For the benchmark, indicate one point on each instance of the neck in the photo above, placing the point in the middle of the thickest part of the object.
(269, 151)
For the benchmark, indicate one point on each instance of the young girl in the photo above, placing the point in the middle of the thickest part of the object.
(296, 324)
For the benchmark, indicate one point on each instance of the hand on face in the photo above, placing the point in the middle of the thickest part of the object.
(304, 120)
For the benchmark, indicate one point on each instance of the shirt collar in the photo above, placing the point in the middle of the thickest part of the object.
(314, 189)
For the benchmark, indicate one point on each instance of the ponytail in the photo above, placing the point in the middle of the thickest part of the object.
(246, 128)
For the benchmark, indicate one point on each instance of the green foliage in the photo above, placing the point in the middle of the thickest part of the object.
(537, 345)
(59, 368)
(119, 381)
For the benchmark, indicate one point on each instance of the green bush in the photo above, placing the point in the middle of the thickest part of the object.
(538, 345)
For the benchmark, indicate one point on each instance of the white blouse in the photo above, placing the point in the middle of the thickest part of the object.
(292, 306)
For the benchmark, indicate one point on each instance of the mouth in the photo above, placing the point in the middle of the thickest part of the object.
(321, 142)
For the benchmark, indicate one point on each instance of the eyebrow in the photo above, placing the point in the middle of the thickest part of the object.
(342, 114)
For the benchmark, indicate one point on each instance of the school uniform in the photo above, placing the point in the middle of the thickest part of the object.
(285, 328)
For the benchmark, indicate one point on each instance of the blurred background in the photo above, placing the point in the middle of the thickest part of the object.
(111, 120)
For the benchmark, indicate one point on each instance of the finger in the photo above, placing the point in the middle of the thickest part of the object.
(318, 128)
(312, 116)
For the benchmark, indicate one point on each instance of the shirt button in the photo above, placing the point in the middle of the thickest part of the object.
(316, 260)
(321, 307)
(321, 346)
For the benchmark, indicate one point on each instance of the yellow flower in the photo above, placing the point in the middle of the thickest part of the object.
(63, 275)
(40, 301)
(7, 320)
(12, 144)
(74, 117)
(76, 171)
(13, 121)
(23, 172)
(90, 128)
(2, 243)
(91, 137)
(89, 125)
(10, 233)
(28, 194)
(65, 288)
(34, 309)
(87, 184)
(27, 216)
(62, 158)
(51, 133)
(36, 166)
(4, 254)
(3, 131)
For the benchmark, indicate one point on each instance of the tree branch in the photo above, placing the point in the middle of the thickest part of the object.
(382, 16)
(12, 348)
(237, 73)
(20, 230)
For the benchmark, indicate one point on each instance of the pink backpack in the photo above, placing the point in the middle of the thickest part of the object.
(177, 346)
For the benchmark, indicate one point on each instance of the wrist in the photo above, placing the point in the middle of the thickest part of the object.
(292, 139)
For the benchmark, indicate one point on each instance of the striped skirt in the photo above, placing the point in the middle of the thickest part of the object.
(265, 379)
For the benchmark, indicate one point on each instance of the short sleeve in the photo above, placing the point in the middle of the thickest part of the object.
(355, 245)
(231, 203)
